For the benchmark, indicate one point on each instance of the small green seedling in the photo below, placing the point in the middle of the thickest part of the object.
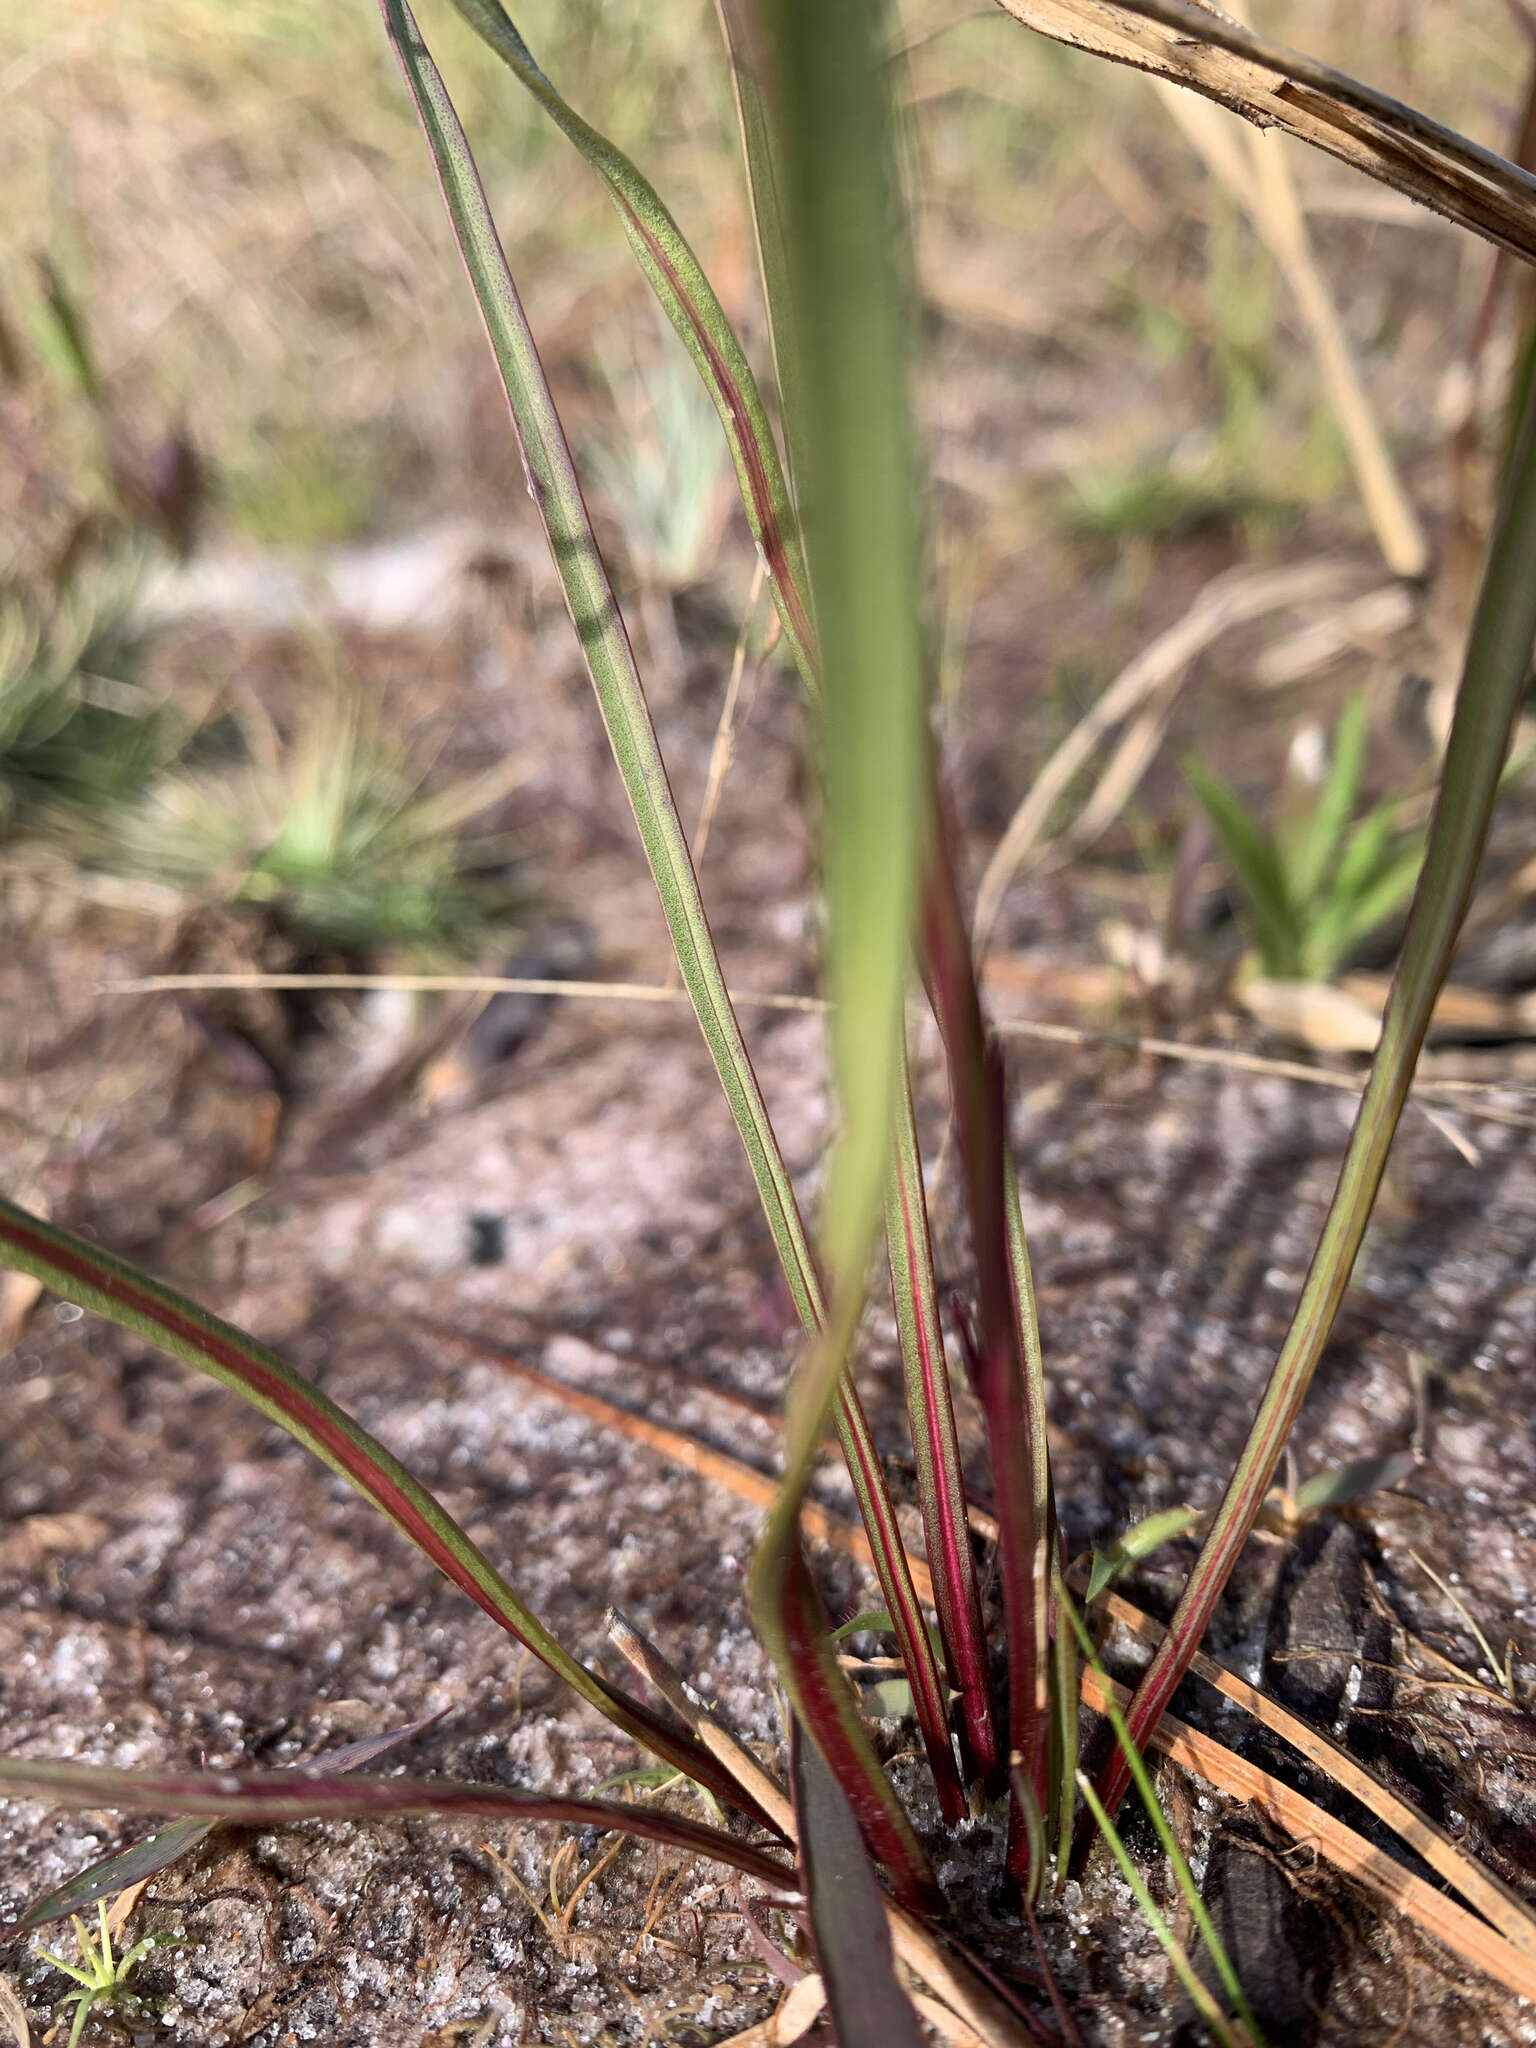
(326, 830)
(667, 473)
(663, 1779)
(1316, 888)
(1503, 1669)
(78, 732)
(1137, 1543)
(101, 1976)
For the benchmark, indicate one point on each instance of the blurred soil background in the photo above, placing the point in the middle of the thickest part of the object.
(287, 685)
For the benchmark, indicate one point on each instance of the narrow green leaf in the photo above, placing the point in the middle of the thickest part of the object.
(1167, 1940)
(1341, 1484)
(1379, 902)
(1314, 847)
(689, 301)
(1064, 1722)
(1139, 1541)
(1178, 1862)
(876, 1622)
(1492, 687)
(1256, 865)
(254, 1797)
(1365, 849)
(1031, 1875)
(145, 1858)
(610, 663)
(69, 331)
(82, 1273)
(553, 484)
(686, 296)
(1374, 852)
(1036, 1440)
(859, 479)
(857, 474)
(742, 30)
(936, 1448)
(848, 1919)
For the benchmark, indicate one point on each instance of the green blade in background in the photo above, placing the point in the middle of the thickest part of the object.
(743, 33)
(621, 698)
(1257, 867)
(1493, 684)
(1312, 850)
(856, 471)
(689, 301)
(605, 646)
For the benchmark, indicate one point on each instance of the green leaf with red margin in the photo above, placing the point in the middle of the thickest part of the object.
(265, 1797)
(83, 1273)
(856, 471)
(1007, 1366)
(689, 301)
(940, 1480)
(153, 1853)
(1492, 687)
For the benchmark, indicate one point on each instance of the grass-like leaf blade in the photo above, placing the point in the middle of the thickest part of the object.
(936, 1449)
(1492, 686)
(594, 609)
(1167, 1940)
(848, 1921)
(742, 29)
(1317, 841)
(621, 698)
(856, 472)
(689, 301)
(83, 1273)
(1147, 1791)
(1007, 1365)
(1139, 1541)
(1257, 866)
(1338, 1485)
(253, 1797)
(156, 1852)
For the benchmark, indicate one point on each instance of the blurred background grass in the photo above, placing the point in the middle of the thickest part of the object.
(238, 201)
(280, 353)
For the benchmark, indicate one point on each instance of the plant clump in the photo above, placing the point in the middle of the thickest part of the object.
(329, 831)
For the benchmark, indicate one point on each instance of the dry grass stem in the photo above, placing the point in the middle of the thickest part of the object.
(1255, 171)
(1234, 598)
(450, 984)
(1368, 622)
(1460, 1931)
(1493, 1899)
(1195, 46)
(797, 2010)
(1251, 1063)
